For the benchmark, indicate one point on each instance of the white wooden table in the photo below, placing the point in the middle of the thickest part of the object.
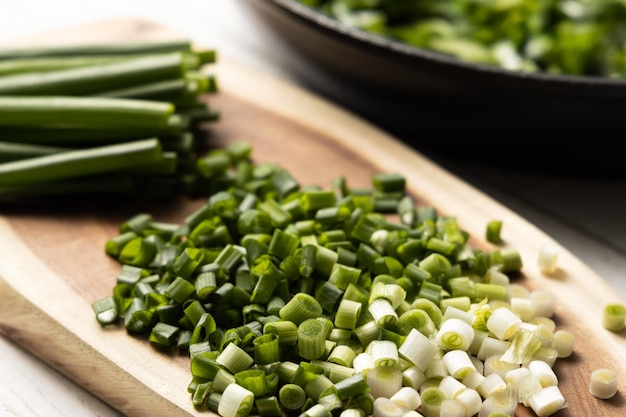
(586, 216)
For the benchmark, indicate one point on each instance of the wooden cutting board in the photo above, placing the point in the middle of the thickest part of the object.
(53, 266)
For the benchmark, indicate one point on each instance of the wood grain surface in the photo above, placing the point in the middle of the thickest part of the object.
(53, 265)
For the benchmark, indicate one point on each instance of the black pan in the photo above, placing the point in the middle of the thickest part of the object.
(436, 102)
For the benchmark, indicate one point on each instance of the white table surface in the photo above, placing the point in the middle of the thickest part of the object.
(587, 216)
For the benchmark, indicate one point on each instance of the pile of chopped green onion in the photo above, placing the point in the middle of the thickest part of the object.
(296, 299)
(121, 118)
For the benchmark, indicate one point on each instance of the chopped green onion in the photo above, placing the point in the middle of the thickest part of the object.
(416, 319)
(106, 310)
(266, 349)
(351, 386)
(138, 252)
(343, 275)
(543, 372)
(268, 406)
(205, 284)
(352, 412)
(268, 275)
(114, 245)
(614, 317)
(407, 398)
(315, 200)
(292, 396)
(347, 314)
(185, 264)
(301, 307)
(311, 338)
(388, 183)
(490, 346)
(384, 407)
(363, 401)
(286, 371)
(328, 295)
(522, 307)
(383, 312)
(543, 303)
(338, 372)
(501, 404)
(526, 385)
(213, 401)
(342, 355)
(286, 330)
(418, 349)
(563, 343)
(603, 383)
(222, 379)
(547, 259)
(489, 292)
(254, 380)
(307, 260)
(305, 373)
(451, 407)
(283, 244)
(236, 401)
(180, 289)
(471, 401)
(494, 228)
(391, 292)
(495, 276)
(546, 401)
(491, 385)
(384, 352)
(229, 258)
(508, 259)
(441, 246)
(455, 334)
(523, 346)
(494, 364)
(413, 377)
(201, 393)
(451, 386)
(279, 216)
(204, 365)
(384, 381)
(319, 384)
(458, 363)
(503, 323)
(499, 414)
(234, 358)
(317, 410)
(164, 335)
(432, 397)
(362, 363)
(137, 318)
(430, 307)
(325, 260)
(462, 303)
